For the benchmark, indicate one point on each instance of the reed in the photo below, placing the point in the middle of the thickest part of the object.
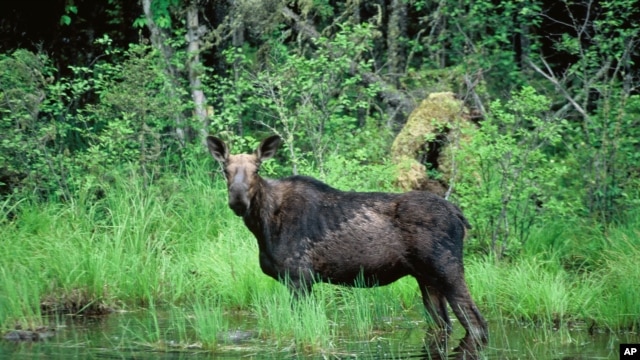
(618, 306)
(301, 326)
(209, 323)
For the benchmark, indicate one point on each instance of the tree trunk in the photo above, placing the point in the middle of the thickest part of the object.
(397, 55)
(237, 42)
(194, 32)
(396, 34)
(159, 40)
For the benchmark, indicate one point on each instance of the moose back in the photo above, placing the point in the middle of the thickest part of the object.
(308, 231)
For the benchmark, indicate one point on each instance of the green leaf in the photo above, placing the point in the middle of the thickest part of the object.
(65, 20)
(140, 22)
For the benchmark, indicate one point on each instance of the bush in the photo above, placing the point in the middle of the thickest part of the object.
(60, 136)
(513, 183)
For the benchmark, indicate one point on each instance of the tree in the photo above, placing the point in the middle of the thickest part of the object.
(595, 90)
(158, 21)
(194, 33)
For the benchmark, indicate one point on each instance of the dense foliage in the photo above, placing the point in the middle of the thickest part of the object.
(552, 88)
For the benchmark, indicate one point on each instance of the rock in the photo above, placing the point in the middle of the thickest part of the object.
(29, 335)
(236, 336)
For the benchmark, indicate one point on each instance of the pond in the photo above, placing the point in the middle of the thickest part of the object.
(126, 336)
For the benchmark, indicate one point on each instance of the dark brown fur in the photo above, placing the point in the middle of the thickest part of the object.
(308, 231)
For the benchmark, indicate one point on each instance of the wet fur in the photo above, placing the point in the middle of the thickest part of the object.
(308, 231)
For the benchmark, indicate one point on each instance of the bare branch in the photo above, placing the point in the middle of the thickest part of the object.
(551, 77)
(471, 90)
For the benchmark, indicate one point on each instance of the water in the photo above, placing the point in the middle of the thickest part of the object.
(127, 336)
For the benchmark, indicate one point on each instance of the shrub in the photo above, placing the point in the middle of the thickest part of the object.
(513, 183)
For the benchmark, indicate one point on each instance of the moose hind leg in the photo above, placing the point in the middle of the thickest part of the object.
(436, 305)
(467, 313)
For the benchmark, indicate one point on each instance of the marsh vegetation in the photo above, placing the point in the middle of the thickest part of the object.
(173, 254)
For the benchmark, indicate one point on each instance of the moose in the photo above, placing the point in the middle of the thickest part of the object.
(308, 231)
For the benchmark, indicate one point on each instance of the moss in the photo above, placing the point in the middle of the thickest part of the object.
(410, 173)
(432, 132)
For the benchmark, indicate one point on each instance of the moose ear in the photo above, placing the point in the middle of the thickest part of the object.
(268, 147)
(218, 149)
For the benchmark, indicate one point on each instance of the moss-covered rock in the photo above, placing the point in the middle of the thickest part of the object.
(427, 141)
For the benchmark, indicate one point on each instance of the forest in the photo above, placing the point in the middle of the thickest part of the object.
(525, 113)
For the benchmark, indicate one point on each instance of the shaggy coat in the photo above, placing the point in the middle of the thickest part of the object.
(308, 231)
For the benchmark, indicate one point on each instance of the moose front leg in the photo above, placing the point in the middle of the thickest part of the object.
(299, 283)
(294, 271)
(299, 289)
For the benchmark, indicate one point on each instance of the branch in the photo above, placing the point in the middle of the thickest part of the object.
(389, 93)
(551, 77)
(300, 25)
(471, 89)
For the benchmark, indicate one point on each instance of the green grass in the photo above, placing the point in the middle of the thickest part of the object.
(301, 326)
(528, 290)
(620, 276)
(545, 287)
(175, 247)
(209, 322)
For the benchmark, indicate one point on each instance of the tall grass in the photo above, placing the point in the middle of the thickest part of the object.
(209, 322)
(301, 326)
(528, 290)
(554, 283)
(620, 276)
(19, 298)
(134, 246)
(174, 244)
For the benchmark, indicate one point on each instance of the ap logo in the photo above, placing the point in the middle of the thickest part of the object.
(629, 351)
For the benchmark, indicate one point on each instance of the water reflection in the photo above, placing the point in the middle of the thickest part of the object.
(120, 336)
(438, 348)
